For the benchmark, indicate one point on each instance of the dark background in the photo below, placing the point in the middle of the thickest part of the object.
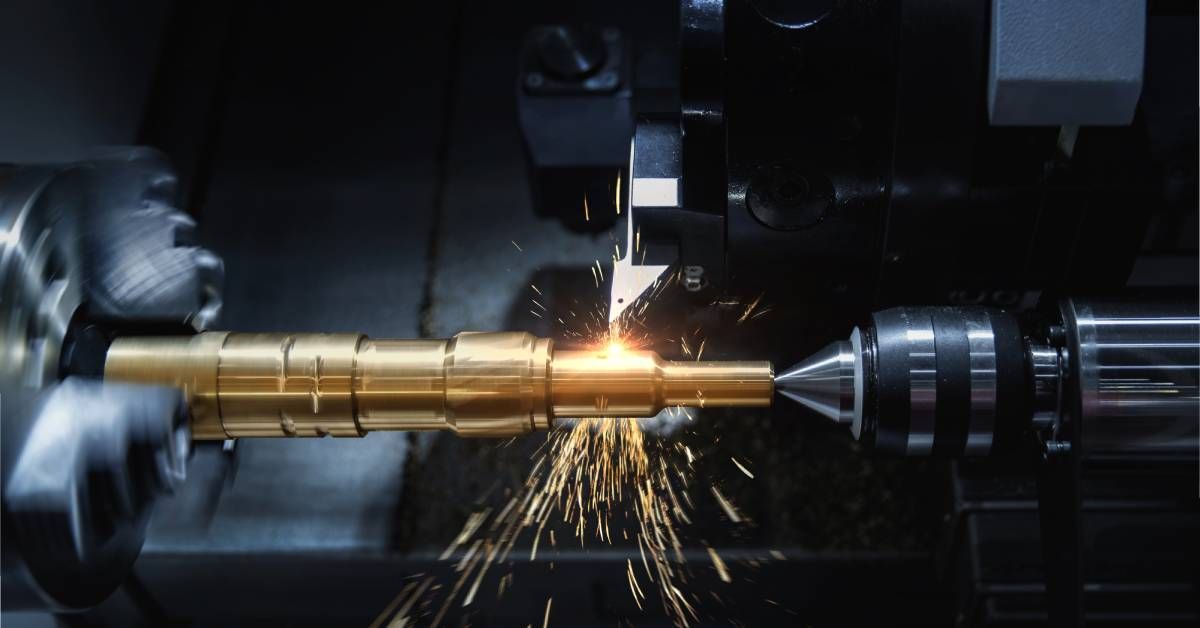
(359, 168)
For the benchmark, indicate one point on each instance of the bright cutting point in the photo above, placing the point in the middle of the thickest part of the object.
(629, 280)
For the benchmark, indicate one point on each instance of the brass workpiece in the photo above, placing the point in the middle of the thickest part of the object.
(475, 384)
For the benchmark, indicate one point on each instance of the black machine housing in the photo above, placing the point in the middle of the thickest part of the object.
(837, 158)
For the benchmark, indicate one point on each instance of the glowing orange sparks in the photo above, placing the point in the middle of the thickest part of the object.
(593, 474)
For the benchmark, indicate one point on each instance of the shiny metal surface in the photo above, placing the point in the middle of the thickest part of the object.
(474, 384)
(78, 497)
(1138, 366)
(570, 53)
(83, 463)
(623, 383)
(922, 377)
(40, 288)
(981, 343)
(825, 382)
(40, 281)
(860, 356)
(896, 369)
(190, 365)
(1045, 366)
(630, 277)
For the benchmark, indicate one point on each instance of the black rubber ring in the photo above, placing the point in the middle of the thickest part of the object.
(1012, 412)
(892, 381)
(953, 413)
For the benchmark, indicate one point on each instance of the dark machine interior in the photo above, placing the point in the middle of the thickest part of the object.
(412, 170)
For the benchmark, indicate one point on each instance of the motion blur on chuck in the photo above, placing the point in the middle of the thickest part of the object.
(710, 312)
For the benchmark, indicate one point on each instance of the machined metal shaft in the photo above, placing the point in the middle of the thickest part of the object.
(475, 384)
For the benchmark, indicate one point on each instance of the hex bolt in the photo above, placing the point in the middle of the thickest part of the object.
(693, 278)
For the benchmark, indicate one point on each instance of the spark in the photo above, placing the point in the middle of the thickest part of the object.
(490, 550)
(749, 310)
(546, 617)
(514, 243)
(405, 602)
(467, 569)
(472, 524)
(586, 472)
(537, 537)
(587, 217)
(505, 583)
(592, 475)
(730, 511)
(722, 570)
(617, 194)
(742, 468)
(777, 555)
(469, 556)
(391, 607)
(634, 587)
